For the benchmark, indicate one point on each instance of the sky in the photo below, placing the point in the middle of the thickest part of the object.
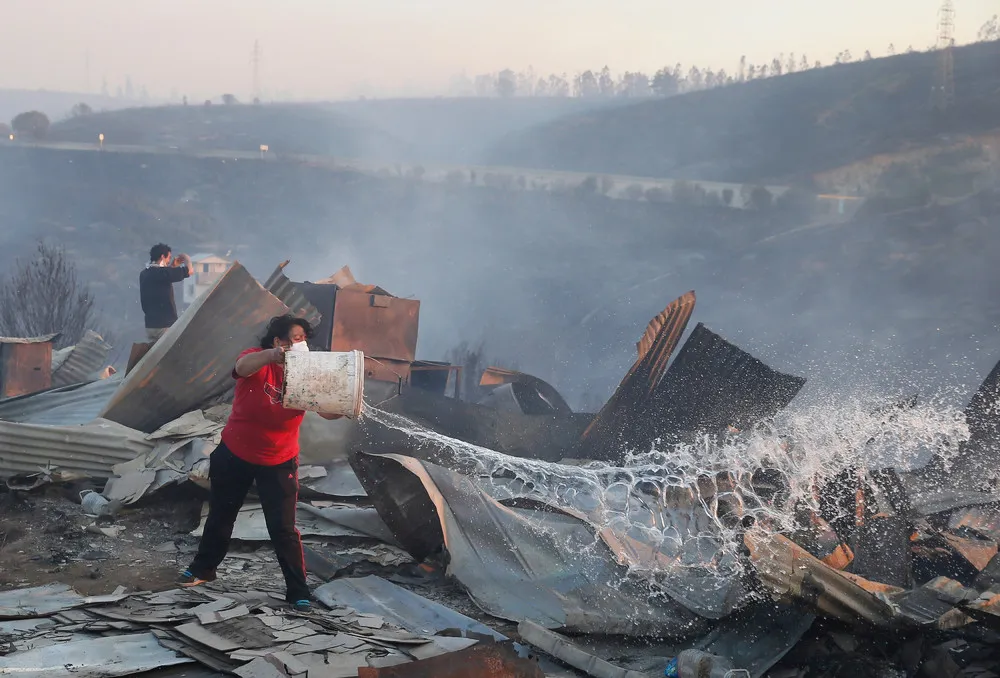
(331, 49)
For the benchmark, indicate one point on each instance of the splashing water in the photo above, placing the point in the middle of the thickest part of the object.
(688, 501)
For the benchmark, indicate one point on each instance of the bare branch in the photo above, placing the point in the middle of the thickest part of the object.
(43, 296)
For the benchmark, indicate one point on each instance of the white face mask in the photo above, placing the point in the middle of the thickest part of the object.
(299, 347)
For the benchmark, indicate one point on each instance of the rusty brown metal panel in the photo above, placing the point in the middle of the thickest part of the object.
(490, 660)
(655, 348)
(383, 369)
(25, 368)
(379, 325)
(193, 361)
(495, 376)
(136, 354)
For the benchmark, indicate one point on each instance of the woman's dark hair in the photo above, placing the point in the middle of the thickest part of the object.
(280, 327)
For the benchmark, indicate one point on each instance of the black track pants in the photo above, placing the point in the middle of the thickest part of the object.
(278, 488)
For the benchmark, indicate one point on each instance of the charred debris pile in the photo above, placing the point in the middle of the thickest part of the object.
(582, 552)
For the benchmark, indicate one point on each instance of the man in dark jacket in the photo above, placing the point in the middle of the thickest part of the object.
(156, 288)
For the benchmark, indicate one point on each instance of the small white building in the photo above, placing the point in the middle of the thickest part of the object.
(208, 268)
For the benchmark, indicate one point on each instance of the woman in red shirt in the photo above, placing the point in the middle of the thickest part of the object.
(260, 443)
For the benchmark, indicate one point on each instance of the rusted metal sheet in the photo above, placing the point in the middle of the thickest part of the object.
(383, 369)
(381, 326)
(485, 660)
(92, 449)
(45, 338)
(84, 360)
(25, 366)
(528, 393)
(983, 521)
(136, 354)
(979, 552)
(193, 361)
(343, 278)
(794, 575)
(289, 293)
(606, 433)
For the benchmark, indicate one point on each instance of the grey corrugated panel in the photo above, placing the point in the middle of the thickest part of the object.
(193, 361)
(280, 286)
(93, 448)
(518, 564)
(85, 360)
(71, 405)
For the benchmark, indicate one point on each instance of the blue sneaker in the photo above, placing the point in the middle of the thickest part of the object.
(188, 579)
(302, 606)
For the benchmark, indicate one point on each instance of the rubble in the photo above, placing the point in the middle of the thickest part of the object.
(506, 537)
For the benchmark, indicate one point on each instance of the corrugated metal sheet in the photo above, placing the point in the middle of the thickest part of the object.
(517, 564)
(712, 385)
(92, 448)
(84, 360)
(71, 405)
(664, 332)
(280, 286)
(193, 361)
(608, 432)
(793, 575)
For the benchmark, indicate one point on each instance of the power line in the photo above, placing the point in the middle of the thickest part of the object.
(944, 86)
(255, 59)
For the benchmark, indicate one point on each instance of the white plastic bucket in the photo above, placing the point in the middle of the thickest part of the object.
(329, 383)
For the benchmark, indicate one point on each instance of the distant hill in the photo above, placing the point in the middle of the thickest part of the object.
(56, 105)
(284, 128)
(441, 131)
(778, 130)
(462, 130)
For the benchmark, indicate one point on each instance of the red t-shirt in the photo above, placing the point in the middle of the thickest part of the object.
(260, 430)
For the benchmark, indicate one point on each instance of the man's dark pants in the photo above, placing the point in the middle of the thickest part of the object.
(278, 488)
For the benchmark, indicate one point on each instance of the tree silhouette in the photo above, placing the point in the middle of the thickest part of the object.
(990, 30)
(506, 83)
(32, 123)
(664, 83)
(605, 83)
(586, 85)
(558, 86)
(44, 296)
